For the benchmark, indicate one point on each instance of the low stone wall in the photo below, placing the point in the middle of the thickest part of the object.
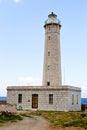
(8, 107)
(3, 102)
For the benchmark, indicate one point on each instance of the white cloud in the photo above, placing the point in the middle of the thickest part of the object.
(84, 91)
(3, 86)
(29, 80)
(17, 1)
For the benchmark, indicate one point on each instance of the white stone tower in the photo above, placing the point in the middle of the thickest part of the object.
(52, 57)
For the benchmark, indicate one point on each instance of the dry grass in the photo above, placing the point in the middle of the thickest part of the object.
(63, 120)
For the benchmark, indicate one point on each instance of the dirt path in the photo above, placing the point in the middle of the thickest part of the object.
(35, 123)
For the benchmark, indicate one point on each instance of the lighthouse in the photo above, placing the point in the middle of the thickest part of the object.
(52, 56)
(52, 95)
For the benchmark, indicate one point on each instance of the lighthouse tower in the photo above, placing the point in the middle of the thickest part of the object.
(52, 57)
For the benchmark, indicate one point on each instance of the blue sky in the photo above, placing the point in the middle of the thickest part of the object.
(22, 41)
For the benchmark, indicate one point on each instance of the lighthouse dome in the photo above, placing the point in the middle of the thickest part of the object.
(52, 18)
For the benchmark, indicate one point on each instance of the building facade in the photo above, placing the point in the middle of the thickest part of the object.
(52, 95)
(64, 98)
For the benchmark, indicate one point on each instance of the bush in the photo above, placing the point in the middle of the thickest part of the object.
(7, 116)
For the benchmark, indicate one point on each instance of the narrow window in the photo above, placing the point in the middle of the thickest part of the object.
(76, 99)
(19, 98)
(50, 98)
(48, 53)
(72, 99)
(48, 67)
(49, 28)
(49, 37)
(48, 83)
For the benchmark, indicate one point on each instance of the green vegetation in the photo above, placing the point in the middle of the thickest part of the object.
(58, 119)
(63, 119)
(5, 117)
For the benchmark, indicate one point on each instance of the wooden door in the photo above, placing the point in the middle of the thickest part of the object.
(34, 100)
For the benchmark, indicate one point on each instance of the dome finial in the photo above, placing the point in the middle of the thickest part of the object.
(52, 15)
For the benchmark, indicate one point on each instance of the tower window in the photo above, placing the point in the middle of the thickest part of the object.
(48, 53)
(48, 67)
(49, 28)
(49, 37)
(48, 83)
(19, 98)
(50, 98)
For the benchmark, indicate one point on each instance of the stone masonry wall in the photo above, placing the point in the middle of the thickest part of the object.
(59, 99)
(62, 98)
(76, 106)
(52, 62)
